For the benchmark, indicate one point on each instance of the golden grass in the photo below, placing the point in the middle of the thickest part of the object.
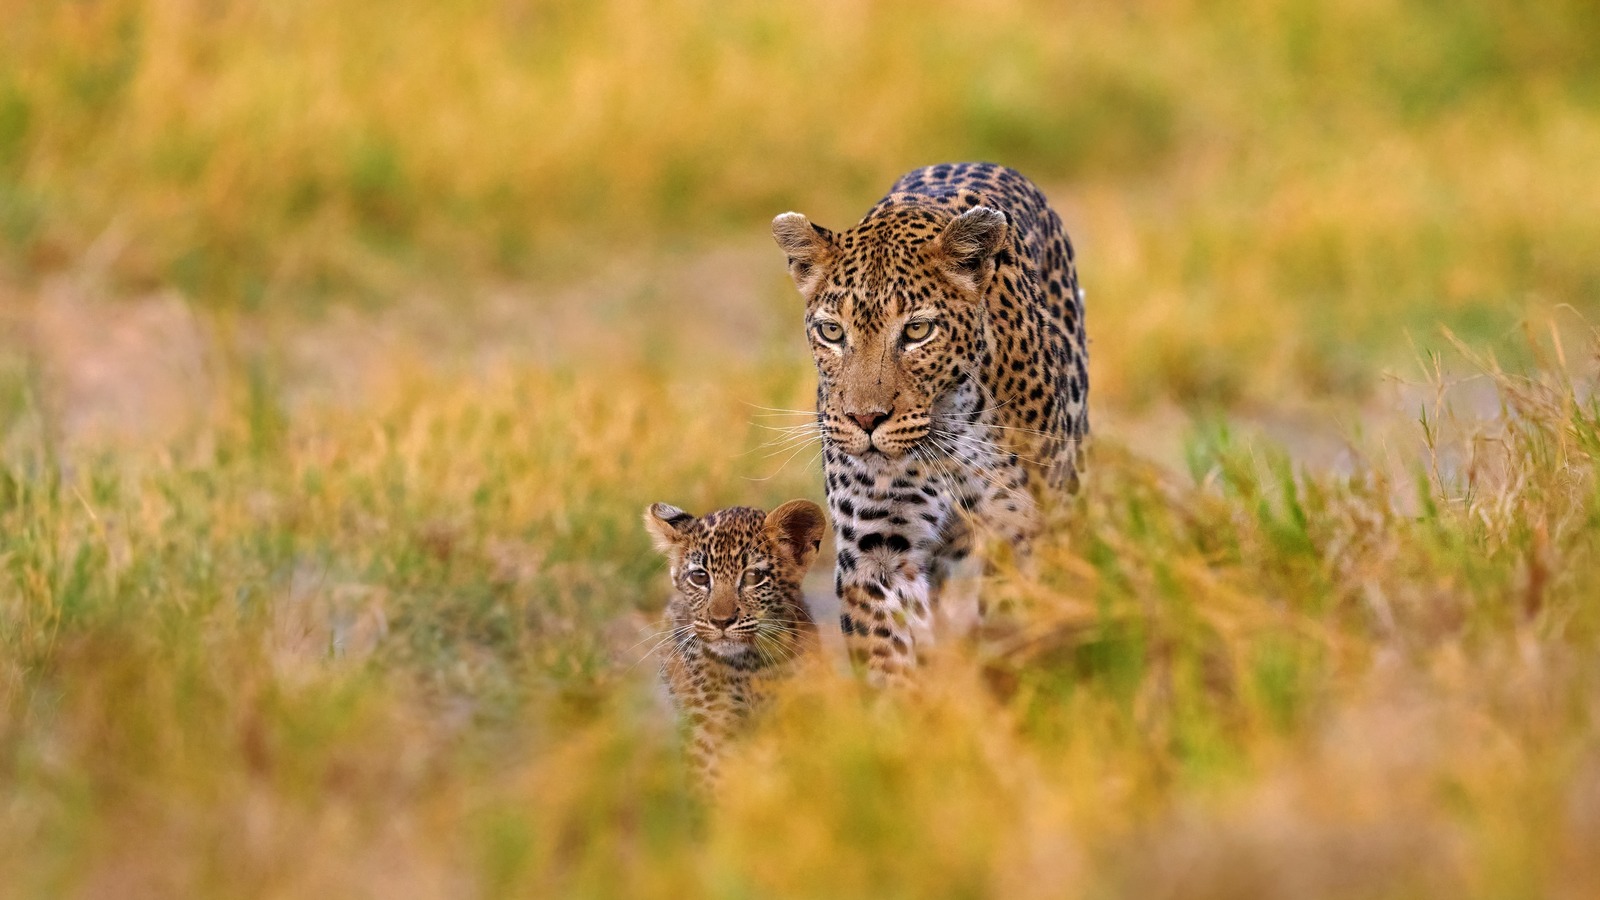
(394, 649)
(343, 345)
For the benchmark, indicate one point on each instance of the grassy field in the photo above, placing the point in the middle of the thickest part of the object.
(343, 343)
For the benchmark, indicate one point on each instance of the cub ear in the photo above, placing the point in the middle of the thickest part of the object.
(968, 244)
(666, 524)
(809, 248)
(797, 527)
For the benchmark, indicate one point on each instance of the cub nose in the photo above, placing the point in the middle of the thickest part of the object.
(869, 420)
(724, 624)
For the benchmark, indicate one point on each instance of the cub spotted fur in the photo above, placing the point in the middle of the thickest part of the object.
(738, 622)
(952, 392)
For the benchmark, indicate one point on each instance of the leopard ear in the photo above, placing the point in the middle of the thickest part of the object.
(810, 248)
(797, 527)
(666, 524)
(968, 244)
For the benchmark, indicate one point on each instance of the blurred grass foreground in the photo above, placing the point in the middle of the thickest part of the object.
(342, 343)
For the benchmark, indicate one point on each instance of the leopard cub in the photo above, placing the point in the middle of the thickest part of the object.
(737, 621)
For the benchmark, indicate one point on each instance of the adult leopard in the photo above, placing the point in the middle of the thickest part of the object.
(952, 397)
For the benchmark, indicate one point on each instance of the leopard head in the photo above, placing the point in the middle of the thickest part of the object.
(895, 315)
(737, 575)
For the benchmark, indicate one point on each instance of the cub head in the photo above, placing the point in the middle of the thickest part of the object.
(894, 314)
(738, 572)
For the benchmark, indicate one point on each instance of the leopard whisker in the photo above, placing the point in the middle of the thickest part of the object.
(783, 445)
(942, 472)
(798, 448)
(1002, 452)
(989, 481)
(979, 412)
(774, 411)
(983, 476)
(1020, 429)
(679, 636)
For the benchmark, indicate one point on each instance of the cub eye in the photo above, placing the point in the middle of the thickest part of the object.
(699, 577)
(917, 330)
(755, 578)
(830, 332)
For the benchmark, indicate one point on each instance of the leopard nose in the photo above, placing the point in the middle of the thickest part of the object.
(869, 420)
(725, 624)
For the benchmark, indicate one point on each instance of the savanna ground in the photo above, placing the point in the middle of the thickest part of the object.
(344, 342)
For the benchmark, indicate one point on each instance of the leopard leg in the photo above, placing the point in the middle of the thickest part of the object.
(712, 724)
(956, 589)
(888, 627)
(1000, 512)
(884, 533)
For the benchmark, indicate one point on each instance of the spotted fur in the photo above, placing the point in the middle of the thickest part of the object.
(737, 622)
(952, 396)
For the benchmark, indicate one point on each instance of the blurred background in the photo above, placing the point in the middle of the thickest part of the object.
(1304, 183)
(342, 343)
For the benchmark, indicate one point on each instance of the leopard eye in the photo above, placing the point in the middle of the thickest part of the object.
(755, 578)
(918, 330)
(699, 578)
(830, 332)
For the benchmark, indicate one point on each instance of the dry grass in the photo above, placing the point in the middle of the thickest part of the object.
(391, 649)
(340, 348)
